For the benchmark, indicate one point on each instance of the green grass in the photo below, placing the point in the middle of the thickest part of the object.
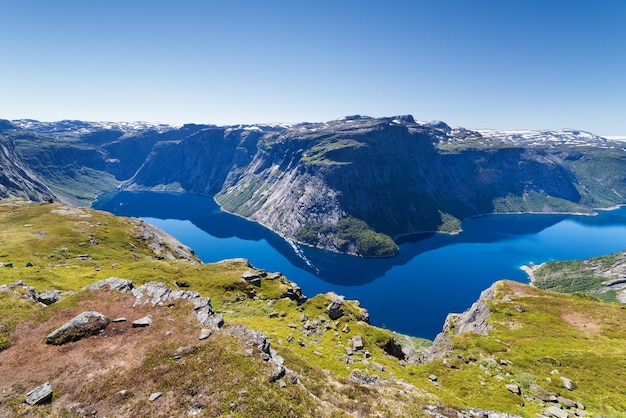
(551, 327)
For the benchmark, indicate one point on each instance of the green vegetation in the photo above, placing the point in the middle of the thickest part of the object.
(554, 335)
(354, 235)
(540, 202)
(589, 276)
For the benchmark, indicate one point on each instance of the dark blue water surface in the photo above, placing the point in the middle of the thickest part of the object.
(411, 293)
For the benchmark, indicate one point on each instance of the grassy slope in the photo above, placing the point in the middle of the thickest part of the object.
(584, 336)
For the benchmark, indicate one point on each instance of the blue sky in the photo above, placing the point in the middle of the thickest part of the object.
(507, 64)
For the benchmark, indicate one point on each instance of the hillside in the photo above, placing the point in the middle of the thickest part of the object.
(352, 185)
(16, 180)
(226, 339)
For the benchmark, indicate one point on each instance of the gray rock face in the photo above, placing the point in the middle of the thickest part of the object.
(83, 325)
(357, 343)
(474, 320)
(159, 294)
(556, 412)
(40, 395)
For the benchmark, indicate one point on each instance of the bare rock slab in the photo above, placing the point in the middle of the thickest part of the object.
(40, 395)
(81, 326)
(146, 321)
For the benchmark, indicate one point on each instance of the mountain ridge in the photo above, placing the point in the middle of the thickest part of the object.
(351, 185)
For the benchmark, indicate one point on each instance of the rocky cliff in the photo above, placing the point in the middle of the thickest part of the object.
(16, 180)
(351, 185)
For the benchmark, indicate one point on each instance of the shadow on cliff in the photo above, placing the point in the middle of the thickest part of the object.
(341, 269)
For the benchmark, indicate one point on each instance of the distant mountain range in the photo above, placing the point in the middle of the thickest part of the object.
(351, 185)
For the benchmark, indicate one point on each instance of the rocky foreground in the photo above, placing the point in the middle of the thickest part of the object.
(101, 319)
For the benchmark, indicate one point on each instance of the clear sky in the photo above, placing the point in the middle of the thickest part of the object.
(507, 64)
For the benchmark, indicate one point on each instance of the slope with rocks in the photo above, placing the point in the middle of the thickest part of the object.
(175, 337)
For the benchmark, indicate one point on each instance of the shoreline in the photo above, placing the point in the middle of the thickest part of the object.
(530, 271)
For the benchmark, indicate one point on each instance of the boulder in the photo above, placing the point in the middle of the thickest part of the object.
(567, 383)
(334, 309)
(514, 389)
(204, 334)
(556, 412)
(154, 396)
(146, 321)
(357, 343)
(113, 283)
(81, 326)
(392, 348)
(295, 294)
(40, 395)
(48, 297)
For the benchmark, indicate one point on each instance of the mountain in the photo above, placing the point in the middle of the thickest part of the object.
(16, 180)
(352, 185)
(108, 316)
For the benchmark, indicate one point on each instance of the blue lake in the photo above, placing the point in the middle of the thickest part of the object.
(411, 293)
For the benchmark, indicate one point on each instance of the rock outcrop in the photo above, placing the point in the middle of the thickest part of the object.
(83, 325)
(474, 320)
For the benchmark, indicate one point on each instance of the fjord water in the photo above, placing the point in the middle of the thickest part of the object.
(411, 293)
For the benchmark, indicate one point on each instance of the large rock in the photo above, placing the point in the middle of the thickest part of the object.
(334, 309)
(47, 297)
(40, 395)
(113, 283)
(81, 326)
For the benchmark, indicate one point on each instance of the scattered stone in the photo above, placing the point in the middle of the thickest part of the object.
(204, 334)
(357, 343)
(515, 389)
(181, 283)
(146, 321)
(295, 294)
(40, 395)
(567, 383)
(274, 276)
(120, 319)
(308, 325)
(83, 257)
(274, 314)
(282, 383)
(154, 396)
(81, 326)
(556, 412)
(292, 326)
(334, 309)
(303, 318)
(113, 283)
(568, 403)
(348, 351)
(216, 322)
(364, 379)
(290, 339)
(519, 308)
(169, 332)
(345, 328)
(8, 265)
(277, 373)
(432, 378)
(48, 297)
(367, 354)
(378, 366)
(317, 353)
(29, 264)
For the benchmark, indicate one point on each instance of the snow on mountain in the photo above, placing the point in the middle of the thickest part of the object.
(545, 138)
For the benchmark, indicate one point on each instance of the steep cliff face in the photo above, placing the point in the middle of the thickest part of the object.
(349, 185)
(199, 163)
(16, 180)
